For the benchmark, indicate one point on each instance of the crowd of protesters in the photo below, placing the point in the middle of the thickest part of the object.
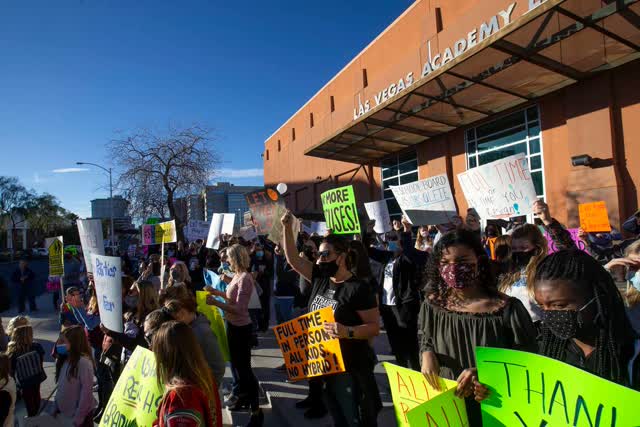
(439, 291)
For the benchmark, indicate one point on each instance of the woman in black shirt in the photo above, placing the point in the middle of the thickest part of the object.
(352, 396)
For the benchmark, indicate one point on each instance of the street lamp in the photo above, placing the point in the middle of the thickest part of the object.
(110, 196)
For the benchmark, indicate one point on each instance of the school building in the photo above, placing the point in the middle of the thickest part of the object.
(451, 85)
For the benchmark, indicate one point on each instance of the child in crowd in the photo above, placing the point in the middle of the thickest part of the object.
(27, 359)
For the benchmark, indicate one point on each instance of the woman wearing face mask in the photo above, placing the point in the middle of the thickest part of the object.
(179, 275)
(424, 240)
(463, 310)
(583, 319)
(528, 249)
(333, 284)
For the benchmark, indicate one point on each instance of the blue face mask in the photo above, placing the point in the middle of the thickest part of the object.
(635, 280)
(259, 254)
(61, 349)
(392, 246)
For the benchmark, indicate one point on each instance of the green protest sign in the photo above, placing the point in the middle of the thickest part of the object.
(531, 390)
(137, 395)
(443, 410)
(339, 206)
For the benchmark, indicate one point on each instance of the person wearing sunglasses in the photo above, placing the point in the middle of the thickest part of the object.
(353, 398)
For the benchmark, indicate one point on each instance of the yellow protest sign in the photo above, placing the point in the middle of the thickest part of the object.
(137, 395)
(163, 232)
(307, 349)
(216, 322)
(594, 217)
(410, 389)
(56, 256)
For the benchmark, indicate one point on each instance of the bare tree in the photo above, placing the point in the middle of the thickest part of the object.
(155, 168)
(15, 203)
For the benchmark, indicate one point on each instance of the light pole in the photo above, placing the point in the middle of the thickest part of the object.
(110, 197)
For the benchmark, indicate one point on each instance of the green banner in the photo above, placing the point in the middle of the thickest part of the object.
(216, 322)
(340, 213)
(137, 395)
(531, 390)
(443, 410)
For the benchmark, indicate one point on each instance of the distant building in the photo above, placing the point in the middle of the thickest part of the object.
(101, 208)
(225, 197)
(195, 207)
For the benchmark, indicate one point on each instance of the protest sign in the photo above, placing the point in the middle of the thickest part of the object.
(319, 228)
(409, 389)
(262, 204)
(446, 409)
(107, 276)
(215, 321)
(574, 236)
(379, 212)
(309, 351)
(228, 222)
(340, 213)
(196, 229)
(501, 189)
(56, 256)
(428, 201)
(137, 395)
(276, 233)
(215, 232)
(532, 390)
(162, 232)
(248, 233)
(594, 217)
(91, 239)
(247, 219)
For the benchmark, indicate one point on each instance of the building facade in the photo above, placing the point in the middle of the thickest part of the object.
(101, 208)
(452, 85)
(225, 197)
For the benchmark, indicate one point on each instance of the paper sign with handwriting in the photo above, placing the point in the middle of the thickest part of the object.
(340, 211)
(427, 202)
(445, 409)
(162, 232)
(107, 275)
(379, 211)
(594, 217)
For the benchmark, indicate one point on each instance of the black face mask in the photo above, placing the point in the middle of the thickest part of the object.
(521, 259)
(491, 233)
(328, 269)
(564, 324)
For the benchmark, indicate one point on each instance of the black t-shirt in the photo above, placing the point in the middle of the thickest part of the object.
(346, 299)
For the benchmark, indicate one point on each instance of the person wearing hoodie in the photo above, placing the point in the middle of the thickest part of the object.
(185, 311)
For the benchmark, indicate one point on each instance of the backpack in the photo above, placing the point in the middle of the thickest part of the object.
(28, 370)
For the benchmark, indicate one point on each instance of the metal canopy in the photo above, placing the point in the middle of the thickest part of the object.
(557, 44)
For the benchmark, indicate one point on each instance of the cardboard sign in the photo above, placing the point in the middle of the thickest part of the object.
(309, 351)
(196, 229)
(215, 320)
(443, 410)
(276, 233)
(137, 395)
(262, 204)
(221, 224)
(501, 189)
(107, 275)
(532, 390)
(594, 217)
(427, 202)
(409, 389)
(574, 236)
(56, 256)
(340, 213)
(379, 212)
(155, 234)
(91, 239)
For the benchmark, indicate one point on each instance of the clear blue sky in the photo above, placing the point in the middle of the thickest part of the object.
(74, 72)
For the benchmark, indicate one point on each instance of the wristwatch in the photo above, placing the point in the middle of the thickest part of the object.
(350, 332)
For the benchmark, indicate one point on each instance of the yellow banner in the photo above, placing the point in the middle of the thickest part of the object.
(56, 256)
(307, 349)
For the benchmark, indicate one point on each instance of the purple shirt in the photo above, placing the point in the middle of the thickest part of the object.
(74, 398)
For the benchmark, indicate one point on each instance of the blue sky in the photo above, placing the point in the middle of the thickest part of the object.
(75, 72)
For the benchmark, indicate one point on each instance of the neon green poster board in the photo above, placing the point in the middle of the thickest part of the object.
(409, 389)
(443, 410)
(340, 213)
(532, 390)
(216, 322)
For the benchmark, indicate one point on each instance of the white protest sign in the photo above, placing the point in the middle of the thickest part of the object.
(91, 239)
(502, 189)
(228, 221)
(197, 229)
(248, 233)
(427, 202)
(319, 228)
(107, 275)
(215, 231)
(379, 212)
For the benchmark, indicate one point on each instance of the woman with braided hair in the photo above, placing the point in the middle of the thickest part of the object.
(584, 322)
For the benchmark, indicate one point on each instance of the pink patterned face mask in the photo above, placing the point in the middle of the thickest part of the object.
(458, 276)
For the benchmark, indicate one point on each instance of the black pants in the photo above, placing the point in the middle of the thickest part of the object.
(239, 338)
(401, 324)
(24, 293)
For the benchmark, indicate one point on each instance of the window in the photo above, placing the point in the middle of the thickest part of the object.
(397, 170)
(515, 133)
(333, 104)
(278, 146)
(365, 80)
(293, 134)
(310, 119)
(267, 154)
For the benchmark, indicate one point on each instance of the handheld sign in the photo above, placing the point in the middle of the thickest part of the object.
(446, 409)
(308, 351)
(262, 204)
(340, 213)
(228, 222)
(215, 232)
(137, 395)
(56, 256)
(532, 390)
(319, 228)
(107, 275)
(409, 389)
(502, 189)
(215, 321)
(594, 217)
(155, 234)
(574, 236)
(379, 212)
(196, 229)
(248, 233)
(91, 239)
(427, 202)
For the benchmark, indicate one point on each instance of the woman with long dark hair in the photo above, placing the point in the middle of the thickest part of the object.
(584, 322)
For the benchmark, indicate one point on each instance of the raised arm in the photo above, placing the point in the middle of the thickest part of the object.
(302, 266)
(560, 236)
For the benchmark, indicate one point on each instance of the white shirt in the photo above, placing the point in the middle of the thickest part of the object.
(388, 294)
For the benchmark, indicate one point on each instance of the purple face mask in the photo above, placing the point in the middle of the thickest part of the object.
(458, 276)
